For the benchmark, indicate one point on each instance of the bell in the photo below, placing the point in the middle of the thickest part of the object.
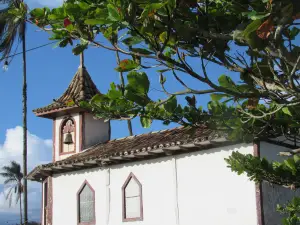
(68, 139)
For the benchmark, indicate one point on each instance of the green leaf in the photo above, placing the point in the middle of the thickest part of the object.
(138, 98)
(101, 13)
(70, 27)
(38, 12)
(96, 98)
(130, 41)
(163, 36)
(253, 15)
(113, 13)
(79, 48)
(57, 13)
(97, 21)
(259, 16)
(217, 97)
(146, 121)
(296, 158)
(139, 82)
(286, 111)
(84, 5)
(253, 26)
(149, 9)
(226, 82)
(63, 43)
(126, 65)
(172, 4)
(293, 33)
(113, 93)
(290, 163)
(171, 105)
(72, 9)
(142, 51)
(109, 33)
(52, 17)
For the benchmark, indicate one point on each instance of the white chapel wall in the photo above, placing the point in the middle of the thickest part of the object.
(209, 193)
(190, 189)
(274, 194)
(58, 122)
(95, 131)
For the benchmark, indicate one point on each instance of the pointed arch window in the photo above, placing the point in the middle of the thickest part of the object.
(132, 199)
(67, 136)
(86, 205)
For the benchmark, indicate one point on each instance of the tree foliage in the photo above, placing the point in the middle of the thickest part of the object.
(292, 210)
(254, 40)
(171, 33)
(285, 174)
(13, 178)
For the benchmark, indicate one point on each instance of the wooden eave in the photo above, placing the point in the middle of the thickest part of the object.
(42, 172)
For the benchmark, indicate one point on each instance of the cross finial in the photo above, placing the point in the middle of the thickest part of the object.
(81, 60)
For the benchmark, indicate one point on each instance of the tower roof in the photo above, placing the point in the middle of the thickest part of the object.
(81, 88)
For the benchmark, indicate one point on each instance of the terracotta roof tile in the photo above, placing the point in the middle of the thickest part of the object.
(118, 146)
(81, 88)
(181, 137)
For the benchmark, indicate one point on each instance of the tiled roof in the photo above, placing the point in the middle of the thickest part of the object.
(143, 142)
(144, 146)
(81, 88)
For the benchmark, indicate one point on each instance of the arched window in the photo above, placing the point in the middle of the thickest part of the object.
(132, 199)
(86, 205)
(67, 136)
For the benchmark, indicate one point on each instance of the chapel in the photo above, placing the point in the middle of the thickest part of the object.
(168, 177)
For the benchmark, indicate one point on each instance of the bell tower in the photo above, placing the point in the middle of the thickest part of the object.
(75, 129)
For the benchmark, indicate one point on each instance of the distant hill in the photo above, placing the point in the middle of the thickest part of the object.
(14, 219)
(31, 223)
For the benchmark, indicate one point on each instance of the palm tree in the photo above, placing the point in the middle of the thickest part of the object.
(13, 177)
(13, 17)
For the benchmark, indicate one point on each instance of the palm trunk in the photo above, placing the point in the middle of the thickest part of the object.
(21, 220)
(24, 127)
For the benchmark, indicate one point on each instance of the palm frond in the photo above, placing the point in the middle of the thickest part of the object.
(7, 43)
(12, 173)
(14, 164)
(10, 28)
(7, 169)
(9, 196)
(7, 175)
(18, 197)
(10, 181)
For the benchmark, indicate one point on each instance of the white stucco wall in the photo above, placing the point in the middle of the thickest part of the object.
(195, 188)
(58, 122)
(95, 131)
(210, 194)
(274, 194)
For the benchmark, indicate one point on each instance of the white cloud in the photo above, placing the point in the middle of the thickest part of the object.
(48, 3)
(39, 152)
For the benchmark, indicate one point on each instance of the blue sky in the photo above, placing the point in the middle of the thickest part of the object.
(50, 71)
